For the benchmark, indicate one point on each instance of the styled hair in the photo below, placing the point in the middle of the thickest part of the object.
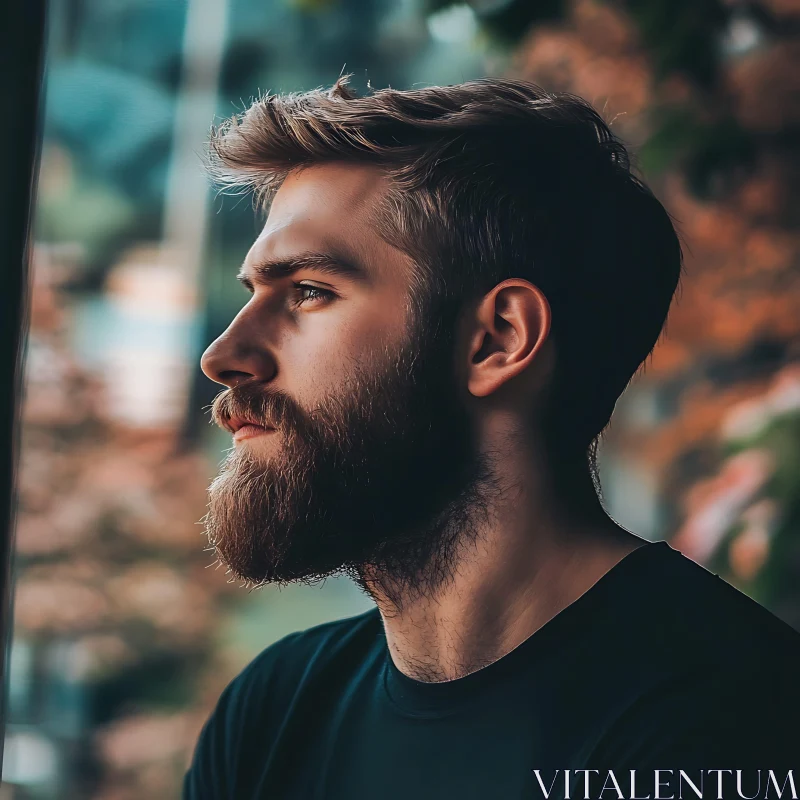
(492, 179)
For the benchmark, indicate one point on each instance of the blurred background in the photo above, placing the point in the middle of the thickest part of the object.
(124, 637)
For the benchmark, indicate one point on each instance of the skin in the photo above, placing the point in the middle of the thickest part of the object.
(533, 558)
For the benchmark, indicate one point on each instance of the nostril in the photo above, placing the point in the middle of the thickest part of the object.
(233, 377)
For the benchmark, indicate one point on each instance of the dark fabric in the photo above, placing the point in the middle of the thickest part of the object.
(660, 665)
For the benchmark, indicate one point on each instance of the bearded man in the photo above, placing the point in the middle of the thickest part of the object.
(453, 287)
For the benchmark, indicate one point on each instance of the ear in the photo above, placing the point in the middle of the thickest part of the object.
(508, 331)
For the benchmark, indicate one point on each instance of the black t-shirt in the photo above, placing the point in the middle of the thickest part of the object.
(661, 665)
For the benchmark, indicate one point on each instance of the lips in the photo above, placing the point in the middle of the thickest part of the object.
(249, 431)
(243, 428)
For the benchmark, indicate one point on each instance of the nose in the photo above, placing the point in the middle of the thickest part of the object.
(232, 359)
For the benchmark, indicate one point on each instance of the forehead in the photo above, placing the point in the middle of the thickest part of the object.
(329, 208)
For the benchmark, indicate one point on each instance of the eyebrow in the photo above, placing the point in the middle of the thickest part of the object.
(274, 269)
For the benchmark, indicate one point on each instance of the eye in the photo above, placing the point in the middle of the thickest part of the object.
(305, 293)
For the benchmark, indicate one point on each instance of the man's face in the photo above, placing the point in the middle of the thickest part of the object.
(353, 451)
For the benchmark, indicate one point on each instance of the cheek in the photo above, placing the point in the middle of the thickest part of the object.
(323, 353)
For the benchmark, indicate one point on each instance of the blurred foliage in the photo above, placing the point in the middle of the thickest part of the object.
(681, 35)
(507, 22)
(744, 517)
(774, 583)
(687, 39)
(706, 150)
(111, 566)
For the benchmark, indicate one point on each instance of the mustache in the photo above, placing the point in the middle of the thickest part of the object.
(271, 408)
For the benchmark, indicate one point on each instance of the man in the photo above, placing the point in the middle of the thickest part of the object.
(452, 289)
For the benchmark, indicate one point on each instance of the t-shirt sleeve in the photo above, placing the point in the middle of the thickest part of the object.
(222, 745)
(207, 776)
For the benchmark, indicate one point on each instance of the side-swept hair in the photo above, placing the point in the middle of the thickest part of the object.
(492, 179)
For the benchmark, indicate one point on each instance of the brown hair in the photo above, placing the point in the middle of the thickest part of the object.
(493, 179)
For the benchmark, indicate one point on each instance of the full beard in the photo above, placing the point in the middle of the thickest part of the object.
(381, 481)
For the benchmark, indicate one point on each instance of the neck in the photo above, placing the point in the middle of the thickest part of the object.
(529, 558)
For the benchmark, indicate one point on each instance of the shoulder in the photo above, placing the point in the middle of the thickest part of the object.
(745, 717)
(256, 703)
(297, 658)
(689, 617)
(715, 673)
